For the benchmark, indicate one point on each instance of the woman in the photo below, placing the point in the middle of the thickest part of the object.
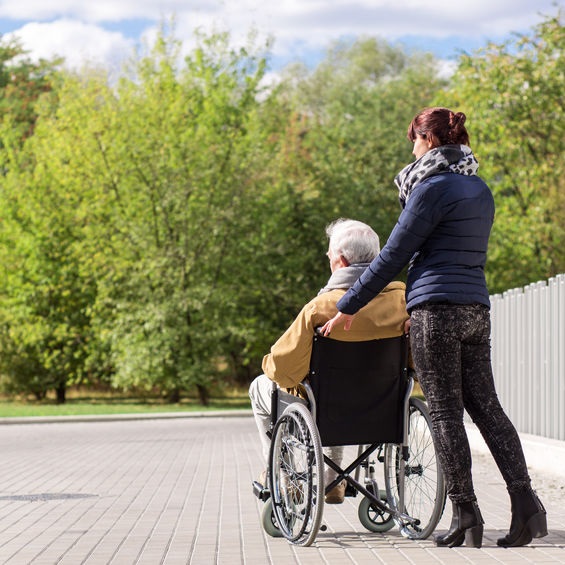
(443, 233)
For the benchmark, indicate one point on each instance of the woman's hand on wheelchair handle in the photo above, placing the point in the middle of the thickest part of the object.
(339, 318)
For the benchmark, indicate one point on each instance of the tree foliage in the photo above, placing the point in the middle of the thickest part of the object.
(159, 232)
(150, 177)
(22, 82)
(515, 93)
(345, 141)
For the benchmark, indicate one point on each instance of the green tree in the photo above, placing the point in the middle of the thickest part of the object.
(151, 178)
(335, 137)
(45, 298)
(39, 321)
(170, 226)
(22, 82)
(347, 136)
(514, 96)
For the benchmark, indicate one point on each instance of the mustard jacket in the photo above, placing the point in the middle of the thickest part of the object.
(289, 360)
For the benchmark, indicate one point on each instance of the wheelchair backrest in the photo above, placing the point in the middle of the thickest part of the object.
(360, 389)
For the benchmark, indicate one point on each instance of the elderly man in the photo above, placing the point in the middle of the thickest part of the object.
(352, 246)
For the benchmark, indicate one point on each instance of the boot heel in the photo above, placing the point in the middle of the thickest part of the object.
(537, 525)
(474, 536)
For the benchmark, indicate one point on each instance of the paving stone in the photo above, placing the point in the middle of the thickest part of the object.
(177, 490)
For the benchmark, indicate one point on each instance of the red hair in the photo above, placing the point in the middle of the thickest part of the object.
(441, 126)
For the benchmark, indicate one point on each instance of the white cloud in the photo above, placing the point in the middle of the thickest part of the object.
(308, 24)
(101, 10)
(75, 28)
(76, 41)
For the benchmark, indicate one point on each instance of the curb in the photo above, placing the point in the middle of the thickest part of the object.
(125, 417)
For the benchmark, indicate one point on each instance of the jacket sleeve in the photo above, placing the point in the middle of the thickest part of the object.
(289, 360)
(414, 225)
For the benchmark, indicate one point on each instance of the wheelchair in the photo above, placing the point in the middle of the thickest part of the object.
(358, 393)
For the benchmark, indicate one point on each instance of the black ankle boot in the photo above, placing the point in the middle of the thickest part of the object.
(529, 519)
(466, 525)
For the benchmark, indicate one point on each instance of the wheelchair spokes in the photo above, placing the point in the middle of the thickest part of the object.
(296, 474)
(415, 487)
(415, 490)
(414, 494)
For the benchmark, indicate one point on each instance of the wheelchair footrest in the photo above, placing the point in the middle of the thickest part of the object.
(260, 491)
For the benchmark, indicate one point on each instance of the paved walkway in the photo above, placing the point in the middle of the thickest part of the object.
(178, 490)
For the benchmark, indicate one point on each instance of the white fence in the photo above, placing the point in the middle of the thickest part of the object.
(528, 356)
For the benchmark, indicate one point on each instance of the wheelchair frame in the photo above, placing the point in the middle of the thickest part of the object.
(294, 494)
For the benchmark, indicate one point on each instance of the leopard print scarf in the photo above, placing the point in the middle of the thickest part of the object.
(446, 158)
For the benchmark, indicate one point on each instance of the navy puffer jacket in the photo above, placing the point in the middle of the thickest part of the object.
(443, 233)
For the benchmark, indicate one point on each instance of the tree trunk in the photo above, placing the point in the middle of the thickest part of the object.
(174, 396)
(203, 394)
(61, 393)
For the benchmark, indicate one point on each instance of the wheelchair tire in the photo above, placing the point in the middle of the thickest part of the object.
(372, 518)
(268, 520)
(415, 487)
(296, 467)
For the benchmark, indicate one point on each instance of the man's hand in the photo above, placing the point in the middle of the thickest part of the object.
(339, 318)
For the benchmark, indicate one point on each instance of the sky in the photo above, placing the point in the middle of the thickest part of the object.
(107, 31)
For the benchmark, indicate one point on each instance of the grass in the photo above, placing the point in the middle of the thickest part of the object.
(84, 404)
(81, 403)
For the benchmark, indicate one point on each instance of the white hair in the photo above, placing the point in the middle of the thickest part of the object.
(355, 241)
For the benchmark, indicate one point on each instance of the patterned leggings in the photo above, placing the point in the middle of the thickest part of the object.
(451, 351)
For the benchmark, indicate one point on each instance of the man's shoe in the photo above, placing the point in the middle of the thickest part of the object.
(260, 489)
(337, 494)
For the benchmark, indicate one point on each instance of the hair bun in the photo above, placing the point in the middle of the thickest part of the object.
(457, 120)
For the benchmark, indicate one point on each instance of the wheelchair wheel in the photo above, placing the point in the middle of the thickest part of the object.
(373, 518)
(297, 475)
(268, 520)
(416, 486)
